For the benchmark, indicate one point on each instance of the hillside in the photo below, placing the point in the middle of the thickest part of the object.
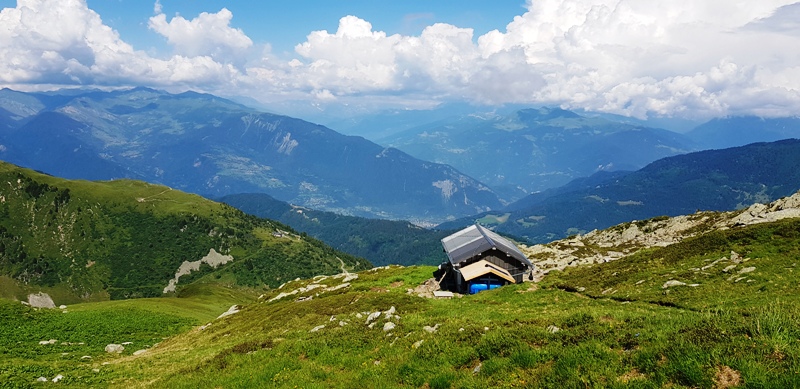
(715, 306)
(712, 180)
(88, 241)
(211, 146)
(382, 242)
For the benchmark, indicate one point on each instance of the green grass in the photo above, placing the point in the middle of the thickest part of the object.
(82, 331)
(616, 333)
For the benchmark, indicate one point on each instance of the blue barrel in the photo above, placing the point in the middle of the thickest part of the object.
(475, 288)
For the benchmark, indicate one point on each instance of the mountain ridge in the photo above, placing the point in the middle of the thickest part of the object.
(205, 144)
(85, 241)
(720, 180)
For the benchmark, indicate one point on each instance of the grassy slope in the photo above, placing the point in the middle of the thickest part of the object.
(638, 336)
(82, 331)
(88, 241)
(382, 242)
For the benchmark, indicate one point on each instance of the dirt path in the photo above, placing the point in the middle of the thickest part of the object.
(343, 269)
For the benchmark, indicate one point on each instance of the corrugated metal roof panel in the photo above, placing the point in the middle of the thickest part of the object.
(473, 240)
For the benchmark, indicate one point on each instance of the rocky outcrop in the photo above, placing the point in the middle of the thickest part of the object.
(213, 259)
(628, 238)
(41, 300)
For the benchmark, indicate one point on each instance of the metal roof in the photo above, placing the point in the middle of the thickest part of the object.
(474, 240)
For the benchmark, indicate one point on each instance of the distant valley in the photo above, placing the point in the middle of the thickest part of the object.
(530, 150)
(382, 242)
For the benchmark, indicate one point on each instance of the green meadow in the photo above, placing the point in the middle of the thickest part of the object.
(612, 325)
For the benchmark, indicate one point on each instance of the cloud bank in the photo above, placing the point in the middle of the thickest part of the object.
(684, 58)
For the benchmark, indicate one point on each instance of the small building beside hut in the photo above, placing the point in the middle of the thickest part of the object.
(480, 259)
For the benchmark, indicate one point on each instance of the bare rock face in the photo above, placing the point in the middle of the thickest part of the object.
(41, 300)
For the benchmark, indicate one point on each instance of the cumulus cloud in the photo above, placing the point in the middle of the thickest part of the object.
(65, 43)
(684, 58)
(632, 57)
(209, 34)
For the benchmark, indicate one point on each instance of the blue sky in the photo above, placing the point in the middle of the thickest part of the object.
(284, 24)
(691, 59)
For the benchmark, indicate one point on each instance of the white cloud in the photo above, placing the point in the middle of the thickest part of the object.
(634, 57)
(65, 43)
(208, 34)
(683, 58)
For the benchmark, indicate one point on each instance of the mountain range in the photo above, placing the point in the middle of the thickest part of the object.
(215, 147)
(737, 131)
(212, 146)
(530, 150)
(718, 180)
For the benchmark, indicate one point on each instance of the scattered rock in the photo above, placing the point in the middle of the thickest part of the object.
(388, 326)
(51, 341)
(418, 343)
(735, 257)
(350, 277)
(747, 270)
(430, 329)
(86, 357)
(115, 348)
(672, 283)
(477, 369)
(461, 329)
(639, 282)
(371, 326)
(359, 316)
(342, 323)
(388, 314)
(232, 310)
(139, 352)
(317, 328)
(376, 362)
(729, 268)
(427, 288)
(126, 343)
(41, 300)
(553, 329)
(42, 379)
(372, 316)
(62, 306)
(58, 378)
